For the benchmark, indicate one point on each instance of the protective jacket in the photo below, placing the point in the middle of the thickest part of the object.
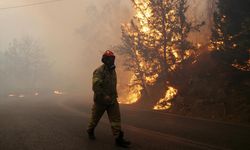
(104, 84)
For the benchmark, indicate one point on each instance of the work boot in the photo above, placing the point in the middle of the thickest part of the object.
(121, 142)
(91, 134)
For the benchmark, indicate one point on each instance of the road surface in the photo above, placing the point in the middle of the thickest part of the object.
(59, 122)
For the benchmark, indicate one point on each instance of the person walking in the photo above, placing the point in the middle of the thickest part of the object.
(104, 83)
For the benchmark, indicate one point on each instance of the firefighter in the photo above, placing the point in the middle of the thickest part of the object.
(105, 99)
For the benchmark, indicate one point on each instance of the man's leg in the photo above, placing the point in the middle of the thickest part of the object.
(97, 112)
(115, 118)
(115, 121)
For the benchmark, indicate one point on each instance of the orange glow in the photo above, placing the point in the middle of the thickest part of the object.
(242, 67)
(134, 92)
(21, 96)
(58, 92)
(11, 95)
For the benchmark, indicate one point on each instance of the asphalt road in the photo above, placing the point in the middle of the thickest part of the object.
(59, 123)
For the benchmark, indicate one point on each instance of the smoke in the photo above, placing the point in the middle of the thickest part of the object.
(73, 35)
(199, 11)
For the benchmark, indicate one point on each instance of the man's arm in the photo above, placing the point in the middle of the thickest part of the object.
(97, 83)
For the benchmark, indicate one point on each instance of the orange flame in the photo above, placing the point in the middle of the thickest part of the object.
(134, 92)
(164, 104)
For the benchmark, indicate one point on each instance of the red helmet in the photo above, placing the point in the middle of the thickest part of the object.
(108, 53)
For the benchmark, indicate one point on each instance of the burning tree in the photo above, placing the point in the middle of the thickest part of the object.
(230, 34)
(155, 45)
